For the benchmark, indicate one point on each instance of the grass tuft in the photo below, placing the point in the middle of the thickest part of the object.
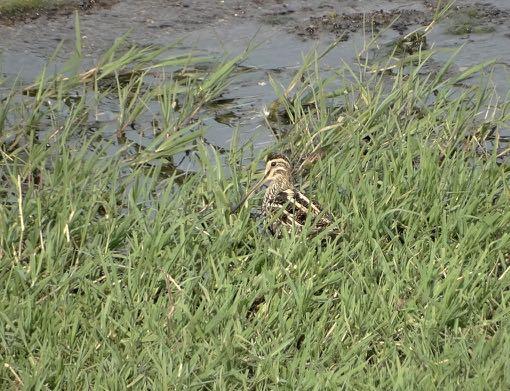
(13, 6)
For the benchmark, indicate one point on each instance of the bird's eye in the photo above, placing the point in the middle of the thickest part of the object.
(273, 164)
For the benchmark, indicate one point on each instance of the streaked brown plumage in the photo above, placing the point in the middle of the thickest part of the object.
(284, 206)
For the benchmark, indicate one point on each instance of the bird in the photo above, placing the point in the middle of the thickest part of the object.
(285, 207)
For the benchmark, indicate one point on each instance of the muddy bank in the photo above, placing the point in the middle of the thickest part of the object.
(345, 24)
(461, 19)
(303, 18)
(13, 14)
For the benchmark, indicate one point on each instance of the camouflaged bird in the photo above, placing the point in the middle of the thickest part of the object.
(285, 207)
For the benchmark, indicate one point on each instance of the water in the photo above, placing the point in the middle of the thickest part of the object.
(228, 27)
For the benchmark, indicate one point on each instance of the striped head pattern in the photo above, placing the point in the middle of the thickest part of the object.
(278, 167)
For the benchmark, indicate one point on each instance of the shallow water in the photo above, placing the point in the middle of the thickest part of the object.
(228, 27)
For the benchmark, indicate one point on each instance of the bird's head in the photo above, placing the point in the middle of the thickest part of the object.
(278, 169)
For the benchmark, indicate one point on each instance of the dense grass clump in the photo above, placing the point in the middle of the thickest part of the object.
(12, 6)
(118, 270)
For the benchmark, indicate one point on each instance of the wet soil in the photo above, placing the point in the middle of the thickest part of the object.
(155, 21)
(477, 18)
(462, 18)
(344, 24)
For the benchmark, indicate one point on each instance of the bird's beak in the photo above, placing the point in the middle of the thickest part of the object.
(248, 194)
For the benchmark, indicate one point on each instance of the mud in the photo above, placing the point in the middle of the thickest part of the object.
(462, 19)
(345, 24)
(477, 19)
(304, 18)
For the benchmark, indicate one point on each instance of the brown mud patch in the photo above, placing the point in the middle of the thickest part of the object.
(344, 24)
(463, 18)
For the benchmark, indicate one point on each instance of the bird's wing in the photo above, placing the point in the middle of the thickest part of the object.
(292, 207)
(310, 207)
(302, 202)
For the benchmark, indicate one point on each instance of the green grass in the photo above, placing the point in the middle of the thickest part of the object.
(117, 270)
(11, 6)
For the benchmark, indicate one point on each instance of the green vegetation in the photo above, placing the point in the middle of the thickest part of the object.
(12, 6)
(118, 270)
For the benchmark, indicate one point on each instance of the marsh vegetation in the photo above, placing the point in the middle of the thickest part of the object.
(11, 6)
(118, 269)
